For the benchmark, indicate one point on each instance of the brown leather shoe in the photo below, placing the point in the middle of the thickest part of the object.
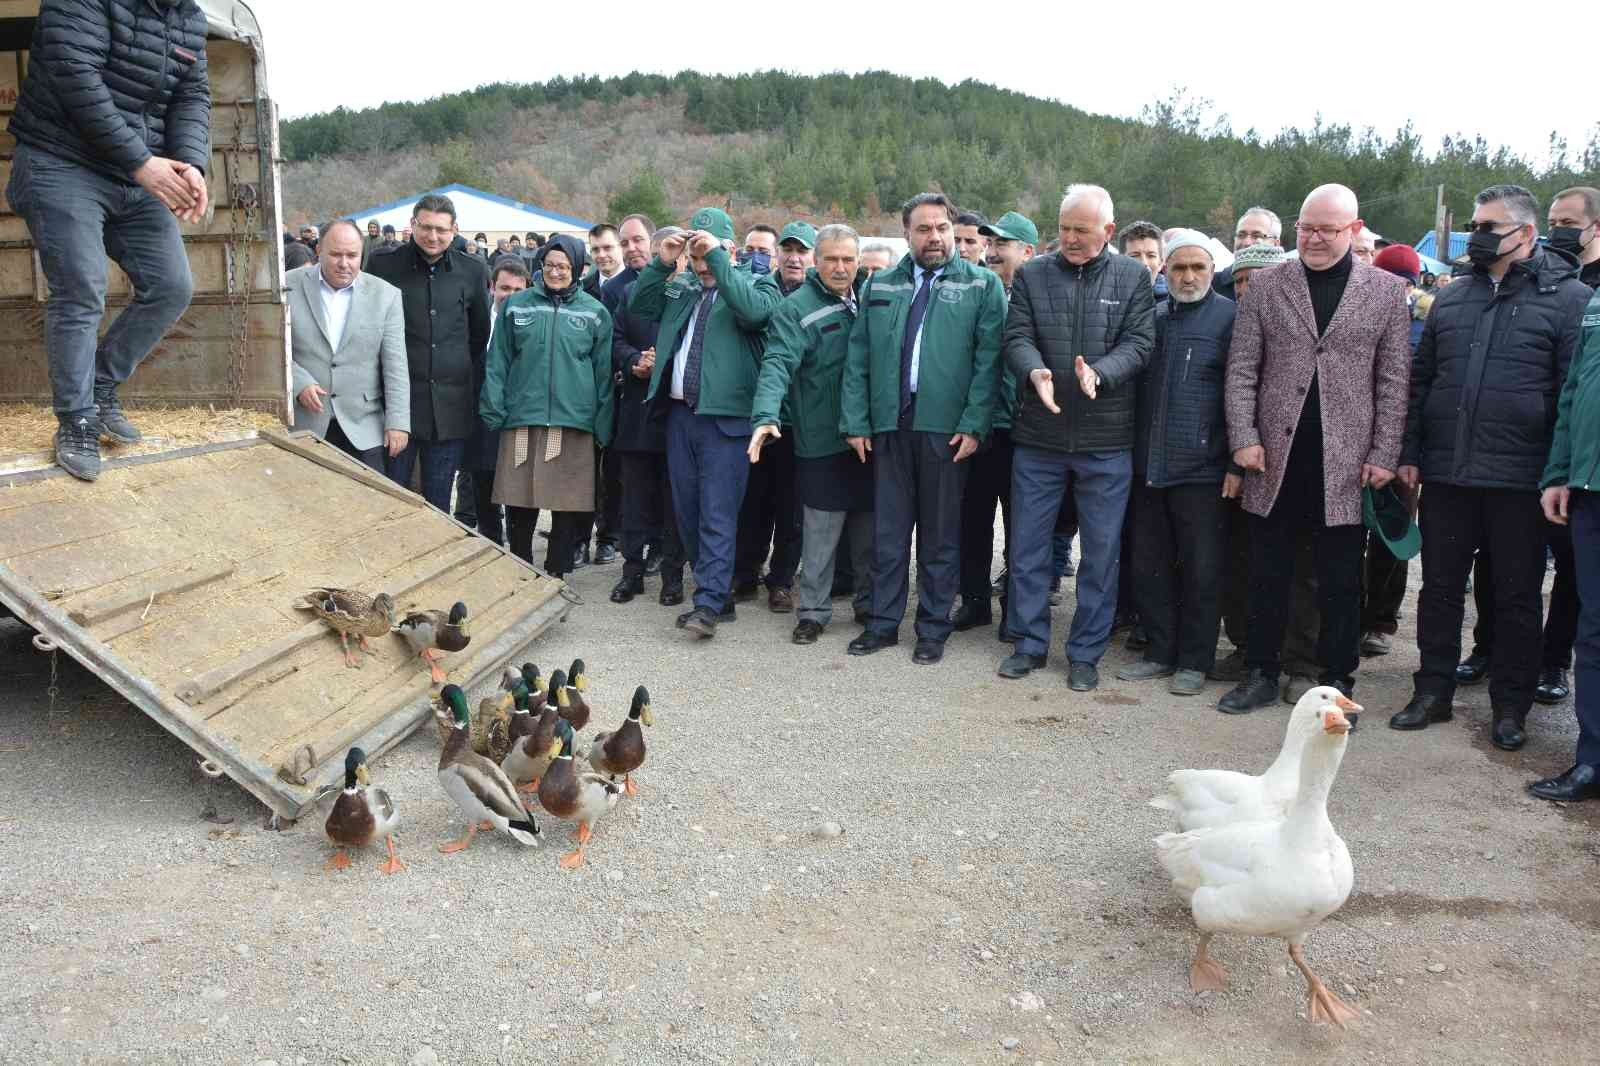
(780, 601)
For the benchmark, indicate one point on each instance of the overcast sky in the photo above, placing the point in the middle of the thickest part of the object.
(1266, 65)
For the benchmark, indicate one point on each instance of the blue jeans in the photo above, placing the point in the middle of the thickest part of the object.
(1099, 483)
(1584, 512)
(709, 468)
(77, 217)
(440, 461)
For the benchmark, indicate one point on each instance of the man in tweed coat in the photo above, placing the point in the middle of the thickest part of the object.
(1316, 401)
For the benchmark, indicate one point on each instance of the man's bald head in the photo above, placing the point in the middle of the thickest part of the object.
(1329, 220)
(1340, 196)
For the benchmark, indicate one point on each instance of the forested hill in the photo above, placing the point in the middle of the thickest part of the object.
(773, 146)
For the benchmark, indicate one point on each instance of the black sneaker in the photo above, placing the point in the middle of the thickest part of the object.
(1021, 664)
(1082, 677)
(114, 425)
(78, 448)
(606, 553)
(807, 632)
(701, 622)
(1256, 691)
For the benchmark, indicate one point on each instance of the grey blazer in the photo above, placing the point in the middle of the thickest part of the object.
(368, 378)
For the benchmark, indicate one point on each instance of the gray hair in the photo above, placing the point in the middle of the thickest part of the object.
(838, 231)
(1274, 223)
(1519, 203)
(877, 246)
(1076, 193)
(663, 233)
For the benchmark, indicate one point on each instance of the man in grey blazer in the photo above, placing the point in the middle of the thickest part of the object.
(348, 340)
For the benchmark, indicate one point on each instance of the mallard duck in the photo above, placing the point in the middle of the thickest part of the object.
(622, 752)
(531, 752)
(490, 718)
(429, 632)
(362, 813)
(351, 613)
(501, 715)
(479, 787)
(574, 797)
(537, 691)
(1279, 877)
(1205, 798)
(569, 697)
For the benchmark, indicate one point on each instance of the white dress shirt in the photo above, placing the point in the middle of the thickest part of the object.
(336, 308)
(916, 346)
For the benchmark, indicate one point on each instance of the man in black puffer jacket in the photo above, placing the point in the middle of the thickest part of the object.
(1484, 384)
(1180, 468)
(1083, 318)
(113, 140)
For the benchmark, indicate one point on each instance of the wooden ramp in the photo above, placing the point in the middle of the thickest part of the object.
(173, 578)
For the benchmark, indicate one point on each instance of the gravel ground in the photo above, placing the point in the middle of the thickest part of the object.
(992, 896)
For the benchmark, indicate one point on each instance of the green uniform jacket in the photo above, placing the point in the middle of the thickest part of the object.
(1005, 405)
(958, 376)
(732, 352)
(802, 372)
(1575, 452)
(549, 364)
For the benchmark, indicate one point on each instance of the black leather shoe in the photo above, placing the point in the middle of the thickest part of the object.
(1139, 639)
(1473, 669)
(863, 617)
(1579, 783)
(1507, 732)
(1083, 677)
(701, 622)
(807, 632)
(671, 594)
(972, 614)
(1254, 692)
(869, 642)
(928, 652)
(1231, 668)
(1421, 712)
(729, 613)
(605, 553)
(626, 589)
(745, 593)
(683, 618)
(1553, 686)
(1020, 665)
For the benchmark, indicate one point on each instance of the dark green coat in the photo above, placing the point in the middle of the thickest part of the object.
(958, 379)
(732, 352)
(1575, 452)
(802, 372)
(549, 364)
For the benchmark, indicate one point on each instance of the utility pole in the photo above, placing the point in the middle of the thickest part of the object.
(1441, 229)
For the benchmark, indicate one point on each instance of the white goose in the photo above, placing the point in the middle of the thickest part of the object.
(1202, 799)
(1279, 877)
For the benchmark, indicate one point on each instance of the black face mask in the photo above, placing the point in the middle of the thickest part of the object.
(1483, 247)
(1568, 239)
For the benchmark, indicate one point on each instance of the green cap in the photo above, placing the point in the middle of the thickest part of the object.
(714, 221)
(1013, 226)
(804, 232)
(1386, 514)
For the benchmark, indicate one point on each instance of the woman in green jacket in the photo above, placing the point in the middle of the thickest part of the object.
(547, 390)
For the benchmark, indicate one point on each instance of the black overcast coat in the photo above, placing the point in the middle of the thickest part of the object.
(1183, 428)
(1487, 374)
(111, 83)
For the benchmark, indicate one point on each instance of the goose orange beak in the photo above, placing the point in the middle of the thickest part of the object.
(1335, 723)
(1345, 703)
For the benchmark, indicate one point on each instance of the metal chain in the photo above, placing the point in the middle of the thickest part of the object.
(54, 689)
(244, 204)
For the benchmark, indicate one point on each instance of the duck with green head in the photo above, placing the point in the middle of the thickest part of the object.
(362, 813)
(479, 788)
(530, 753)
(573, 707)
(622, 751)
(431, 632)
(574, 797)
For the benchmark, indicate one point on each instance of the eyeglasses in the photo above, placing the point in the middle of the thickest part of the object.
(1326, 233)
(433, 231)
(557, 268)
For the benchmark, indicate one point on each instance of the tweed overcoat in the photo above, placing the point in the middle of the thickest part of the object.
(1363, 369)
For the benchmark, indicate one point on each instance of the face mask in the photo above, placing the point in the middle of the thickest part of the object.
(759, 262)
(1484, 248)
(1568, 239)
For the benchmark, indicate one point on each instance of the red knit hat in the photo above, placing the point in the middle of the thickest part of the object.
(1400, 260)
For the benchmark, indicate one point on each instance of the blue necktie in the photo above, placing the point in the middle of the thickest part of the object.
(697, 343)
(908, 343)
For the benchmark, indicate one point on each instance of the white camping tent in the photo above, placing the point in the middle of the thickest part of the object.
(477, 212)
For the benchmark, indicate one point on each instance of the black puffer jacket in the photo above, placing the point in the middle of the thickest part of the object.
(1183, 429)
(1488, 371)
(1104, 311)
(447, 329)
(113, 82)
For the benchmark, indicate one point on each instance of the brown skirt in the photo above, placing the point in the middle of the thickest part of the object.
(565, 483)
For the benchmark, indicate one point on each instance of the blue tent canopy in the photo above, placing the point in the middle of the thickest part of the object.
(1428, 247)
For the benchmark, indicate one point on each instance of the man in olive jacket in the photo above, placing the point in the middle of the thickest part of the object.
(703, 382)
(445, 294)
(920, 386)
(1085, 314)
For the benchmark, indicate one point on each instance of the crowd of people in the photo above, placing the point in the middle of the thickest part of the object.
(1239, 450)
